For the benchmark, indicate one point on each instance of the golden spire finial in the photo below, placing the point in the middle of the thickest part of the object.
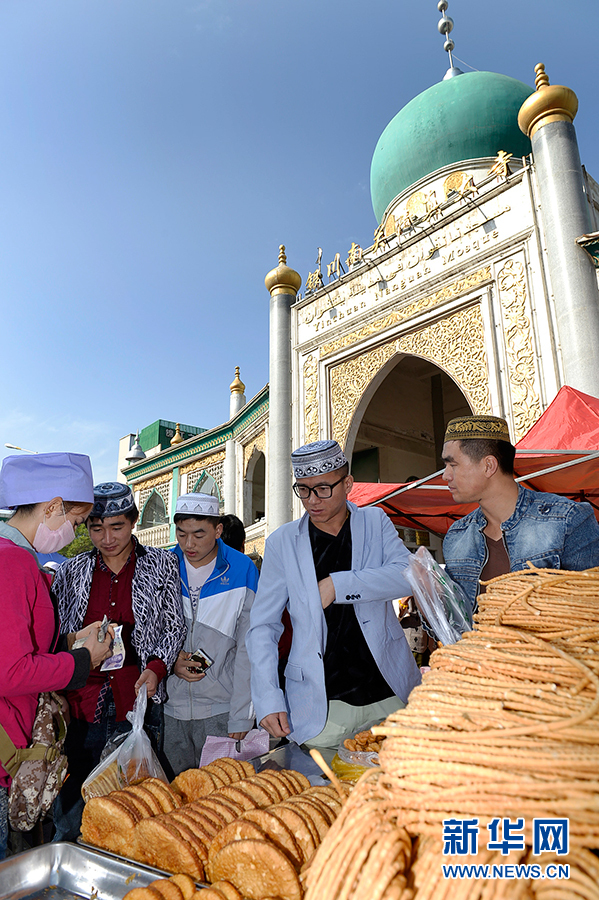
(548, 103)
(177, 438)
(283, 280)
(542, 79)
(237, 386)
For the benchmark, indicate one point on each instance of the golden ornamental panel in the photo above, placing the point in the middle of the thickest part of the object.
(348, 383)
(526, 403)
(455, 344)
(310, 399)
(198, 465)
(258, 443)
(154, 482)
(449, 292)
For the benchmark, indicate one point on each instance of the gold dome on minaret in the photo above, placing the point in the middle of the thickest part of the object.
(549, 103)
(177, 438)
(283, 279)
(237, 386)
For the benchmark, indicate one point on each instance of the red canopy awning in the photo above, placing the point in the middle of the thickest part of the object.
(560, 454)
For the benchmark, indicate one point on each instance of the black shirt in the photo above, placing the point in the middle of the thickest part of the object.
(350, 671)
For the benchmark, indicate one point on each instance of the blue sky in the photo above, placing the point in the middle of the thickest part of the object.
(155, 153)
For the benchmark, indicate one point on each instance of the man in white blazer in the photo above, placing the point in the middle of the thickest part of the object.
(336, 570)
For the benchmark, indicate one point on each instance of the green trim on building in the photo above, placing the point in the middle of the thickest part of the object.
(208, 440)
(161, 431)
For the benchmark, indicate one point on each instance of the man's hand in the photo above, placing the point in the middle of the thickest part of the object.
(183, 666)
(98, 651)
(276, 724)
(327, 591)
(150, 679)
(237, 735)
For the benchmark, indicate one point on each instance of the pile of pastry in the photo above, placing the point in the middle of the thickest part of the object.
(219, 824)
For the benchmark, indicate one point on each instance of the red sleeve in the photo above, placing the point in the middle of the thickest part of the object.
(158, 667)
(28, 623)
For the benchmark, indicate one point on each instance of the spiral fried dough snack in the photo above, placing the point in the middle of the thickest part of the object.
(506, 724)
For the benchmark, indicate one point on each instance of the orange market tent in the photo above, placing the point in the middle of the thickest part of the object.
(559, 454)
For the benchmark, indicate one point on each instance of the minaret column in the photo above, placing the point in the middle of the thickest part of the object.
(547, 118)
(229, 477)
(283, 284)
(236, 403)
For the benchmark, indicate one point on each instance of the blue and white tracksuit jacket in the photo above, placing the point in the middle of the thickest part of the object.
(218, 627)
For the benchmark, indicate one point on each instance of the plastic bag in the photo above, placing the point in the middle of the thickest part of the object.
(255, 743)
(441, 602)
(131, 761)
(348, 771)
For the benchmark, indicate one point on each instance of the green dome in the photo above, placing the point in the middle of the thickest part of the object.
(466, 117)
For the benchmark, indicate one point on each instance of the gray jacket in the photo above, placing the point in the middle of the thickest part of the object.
(288, 579)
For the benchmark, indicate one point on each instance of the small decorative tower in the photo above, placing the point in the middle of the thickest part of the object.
(237, 388)
(283, 284)
(547, 118)
(177, 438)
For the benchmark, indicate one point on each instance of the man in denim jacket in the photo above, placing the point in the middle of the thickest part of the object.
(512, 524)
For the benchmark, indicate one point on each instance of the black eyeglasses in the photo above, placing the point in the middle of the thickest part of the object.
(322, 491)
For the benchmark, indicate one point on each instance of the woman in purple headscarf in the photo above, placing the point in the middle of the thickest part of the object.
(51, 494)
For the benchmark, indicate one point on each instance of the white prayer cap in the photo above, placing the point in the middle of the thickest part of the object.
(197, 505)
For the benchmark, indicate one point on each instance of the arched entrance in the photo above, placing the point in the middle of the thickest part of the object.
(254, 488)
(396, 433)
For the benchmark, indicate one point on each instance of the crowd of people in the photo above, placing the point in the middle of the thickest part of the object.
(310, 649)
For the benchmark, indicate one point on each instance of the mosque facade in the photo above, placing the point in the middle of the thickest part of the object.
(478, 294)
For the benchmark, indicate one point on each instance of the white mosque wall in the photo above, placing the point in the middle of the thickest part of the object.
(464, 287)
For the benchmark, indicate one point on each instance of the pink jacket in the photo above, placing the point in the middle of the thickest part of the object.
(27, 634)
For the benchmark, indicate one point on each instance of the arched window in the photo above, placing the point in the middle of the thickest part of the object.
(154, 512)
(206, 485)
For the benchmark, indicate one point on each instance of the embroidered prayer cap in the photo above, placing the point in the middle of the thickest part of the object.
(477, 428)
(112, 498)
(317, 458)
(39, 477)
(197, 505)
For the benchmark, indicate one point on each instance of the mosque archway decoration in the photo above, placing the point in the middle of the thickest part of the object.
(454, 344)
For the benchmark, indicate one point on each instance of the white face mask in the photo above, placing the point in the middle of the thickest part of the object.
(48, 541)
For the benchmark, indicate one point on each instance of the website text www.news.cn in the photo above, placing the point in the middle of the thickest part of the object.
(461, 838)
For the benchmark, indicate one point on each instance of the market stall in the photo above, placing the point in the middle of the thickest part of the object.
(559, 455)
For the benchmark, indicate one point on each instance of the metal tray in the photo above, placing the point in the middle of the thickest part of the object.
(65, 871)
(156, 873)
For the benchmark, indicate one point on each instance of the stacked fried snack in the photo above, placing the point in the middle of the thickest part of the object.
(109, 822)
(256, 832)
(193, 784)
(506, 725)
(182, 887)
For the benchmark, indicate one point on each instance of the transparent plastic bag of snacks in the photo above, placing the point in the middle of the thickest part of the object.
(130, 762)
(441, 602)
